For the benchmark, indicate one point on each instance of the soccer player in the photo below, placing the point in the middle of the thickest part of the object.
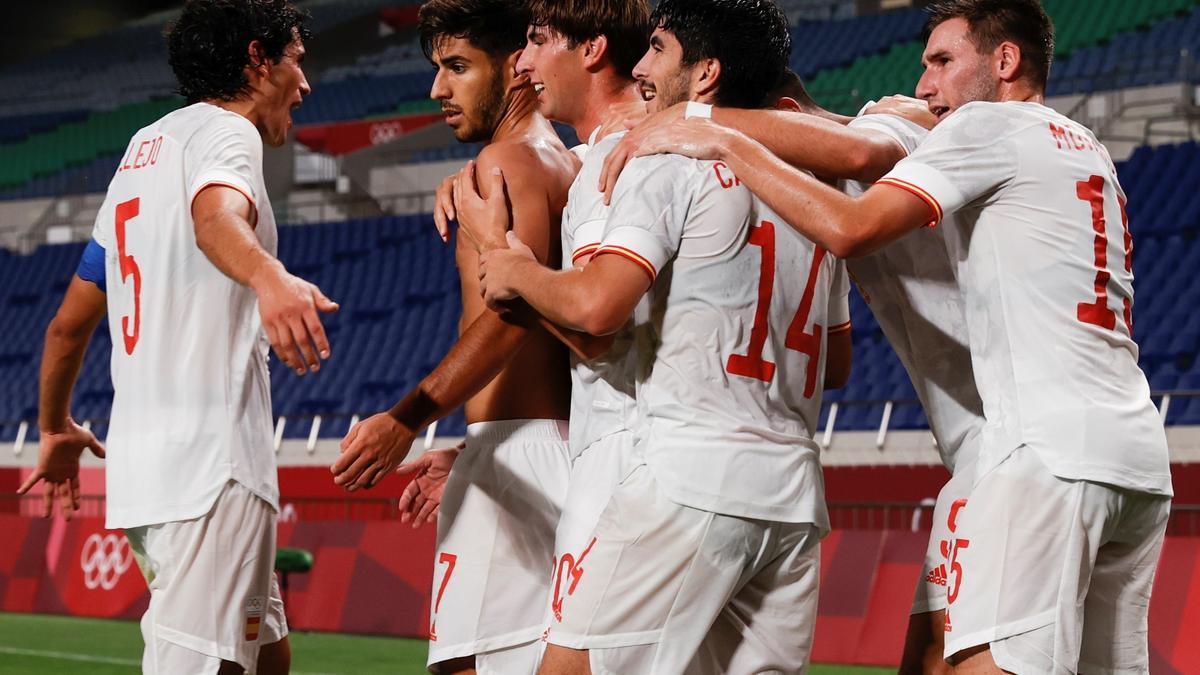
(911, 288)
(503, 497)
(1054, 553)
(580, 56)
(182, 259)
(707, 553)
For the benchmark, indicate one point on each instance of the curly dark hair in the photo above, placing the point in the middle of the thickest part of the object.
(208, 44)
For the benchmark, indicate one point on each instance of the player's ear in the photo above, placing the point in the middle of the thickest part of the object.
(594, 51)
(788, 104)
(517, 79)
(1007, 61)
(706, 75)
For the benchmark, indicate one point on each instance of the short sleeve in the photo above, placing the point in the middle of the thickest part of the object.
(968, 156)
(226, 151)
(649, 210)
(906, 134)
(91, 265)
(588, 213)
(838, 313)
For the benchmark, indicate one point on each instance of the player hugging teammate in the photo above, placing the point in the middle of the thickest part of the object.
(726, 326)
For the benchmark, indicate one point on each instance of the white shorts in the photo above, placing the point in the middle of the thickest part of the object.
(495, 546)
(1054, 574)
(213, 594)
(931, 587)
(595, 474)
(666, 588)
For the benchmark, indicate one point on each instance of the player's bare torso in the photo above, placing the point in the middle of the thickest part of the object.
(535, 384)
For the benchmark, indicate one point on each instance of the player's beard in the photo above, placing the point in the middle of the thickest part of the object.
(671, 90)
(488, 111)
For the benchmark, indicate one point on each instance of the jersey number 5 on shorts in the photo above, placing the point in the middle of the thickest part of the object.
(753, 364)
(127, 211)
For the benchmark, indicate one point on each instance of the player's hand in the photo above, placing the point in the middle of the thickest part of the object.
(443, 207)
(482, 221)
(912, 109)
(372, 450)
(422, 497)
(58, 467)
(622, 116)
(499, 271)
(696, 138)
(627, 149)
(290, 308)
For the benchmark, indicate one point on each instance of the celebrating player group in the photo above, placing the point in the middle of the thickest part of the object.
(649, 323)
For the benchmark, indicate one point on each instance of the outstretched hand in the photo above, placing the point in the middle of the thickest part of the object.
(291, 310)
(422, 498)
(58, 467)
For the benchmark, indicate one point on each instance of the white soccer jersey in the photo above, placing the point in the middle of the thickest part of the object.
(192, 408)
(1045, 265)
(601, 391)
(911, 288)
(732, 356)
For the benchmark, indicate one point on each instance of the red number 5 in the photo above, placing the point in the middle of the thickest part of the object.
(127, 211)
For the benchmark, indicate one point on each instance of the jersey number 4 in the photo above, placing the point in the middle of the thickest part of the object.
(753, 364)
(130, 326)
(1098, 313)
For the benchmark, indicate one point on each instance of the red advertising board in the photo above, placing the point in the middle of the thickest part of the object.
(867, 582)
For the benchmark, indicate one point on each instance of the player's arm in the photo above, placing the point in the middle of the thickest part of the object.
(809, 142)
(845, 226)
(62, 441)
(289, 306)
(598, 298)
(484, 222)
(375, 446)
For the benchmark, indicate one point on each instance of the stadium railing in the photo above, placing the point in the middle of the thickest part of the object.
(338, 423)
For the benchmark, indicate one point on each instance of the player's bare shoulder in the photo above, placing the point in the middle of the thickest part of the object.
(535, 160)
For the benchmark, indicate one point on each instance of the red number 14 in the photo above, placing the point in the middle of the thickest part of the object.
(752, 364)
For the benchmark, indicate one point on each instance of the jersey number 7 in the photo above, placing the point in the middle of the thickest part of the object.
(753, 364)
(127, 211)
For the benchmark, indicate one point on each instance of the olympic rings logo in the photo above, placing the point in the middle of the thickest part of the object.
(384, 132)
(103, 560)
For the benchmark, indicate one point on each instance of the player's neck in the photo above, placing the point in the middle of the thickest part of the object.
(519, 116)
(604, 90)
(1020, 92)
(242, 106)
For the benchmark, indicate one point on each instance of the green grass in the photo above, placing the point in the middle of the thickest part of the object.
(54, 645)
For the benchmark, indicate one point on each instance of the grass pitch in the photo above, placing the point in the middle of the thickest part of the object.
(57, 645)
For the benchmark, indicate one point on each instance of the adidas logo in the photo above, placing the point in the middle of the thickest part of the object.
(937, 575)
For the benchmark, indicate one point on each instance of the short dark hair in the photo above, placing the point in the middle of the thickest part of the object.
(750, 39)
(626, 24)
(791, 86)
(208, 44)
(496, 27)
(1022, 22)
